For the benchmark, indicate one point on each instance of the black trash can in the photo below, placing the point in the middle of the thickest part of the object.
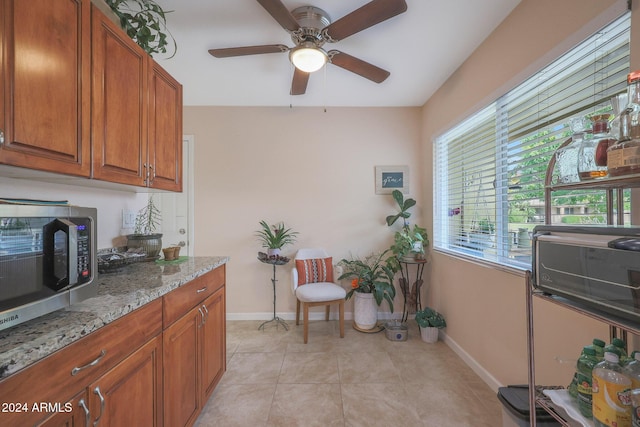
(515, 408)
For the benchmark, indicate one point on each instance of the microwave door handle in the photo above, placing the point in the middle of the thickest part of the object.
(72, 250)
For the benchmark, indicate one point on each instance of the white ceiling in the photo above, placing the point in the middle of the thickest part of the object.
(421, 48)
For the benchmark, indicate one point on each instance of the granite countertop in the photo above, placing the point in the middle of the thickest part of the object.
(118, 294)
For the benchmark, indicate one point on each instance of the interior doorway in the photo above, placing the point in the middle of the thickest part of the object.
(177, 208)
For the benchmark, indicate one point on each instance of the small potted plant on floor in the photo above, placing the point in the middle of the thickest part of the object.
(274, 237)
(145, 236)
(430, 321)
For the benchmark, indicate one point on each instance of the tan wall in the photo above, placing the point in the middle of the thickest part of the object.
(484, 307)
(314, 170)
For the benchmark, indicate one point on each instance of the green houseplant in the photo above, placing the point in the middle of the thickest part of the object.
(372, 282)
(430, 321)
(145, 234)
(408, 242)
(145, 22)
(274, 237)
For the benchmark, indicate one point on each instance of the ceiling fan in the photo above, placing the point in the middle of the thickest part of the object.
(310, 28)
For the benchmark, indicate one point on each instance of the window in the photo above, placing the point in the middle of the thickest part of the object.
(490, 169)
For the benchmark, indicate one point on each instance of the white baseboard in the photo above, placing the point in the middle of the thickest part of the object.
(491, 381)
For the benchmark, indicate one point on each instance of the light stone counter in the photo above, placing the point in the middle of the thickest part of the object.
(118, 294)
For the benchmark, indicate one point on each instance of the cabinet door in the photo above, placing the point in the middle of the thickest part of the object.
(181, 370)
(165, 130)
(119, 105)
(45, 85)
(74, 413)
(213, 343)
(131, 393)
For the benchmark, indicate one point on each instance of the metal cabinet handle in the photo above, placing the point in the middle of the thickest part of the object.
(153, 176)
(87, 416)
(97, 391)
(202, 316)
(206, 312)
(199, 291)
(75, 370)
(1, 137)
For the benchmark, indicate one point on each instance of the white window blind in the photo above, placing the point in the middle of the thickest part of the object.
(489, 170)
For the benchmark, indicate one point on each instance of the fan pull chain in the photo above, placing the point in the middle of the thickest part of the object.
(324, 88)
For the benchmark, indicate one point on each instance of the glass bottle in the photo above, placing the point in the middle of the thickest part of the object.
(623, 157)
(592, 156)
(567, 156)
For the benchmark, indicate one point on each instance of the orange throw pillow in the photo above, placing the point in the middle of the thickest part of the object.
(314, 270)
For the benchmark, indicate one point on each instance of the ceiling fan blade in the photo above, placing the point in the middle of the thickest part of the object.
(281, 14)
(360, 19)
(358, 66)
(299, 83)
(248, 50)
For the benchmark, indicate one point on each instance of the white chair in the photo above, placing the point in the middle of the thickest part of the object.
(313, 285)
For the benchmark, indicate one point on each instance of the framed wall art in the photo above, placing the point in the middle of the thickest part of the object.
(389, 178)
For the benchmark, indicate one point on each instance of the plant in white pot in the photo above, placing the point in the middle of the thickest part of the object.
(145, 236)
(275, 237)
(430, 321)
(372, 282)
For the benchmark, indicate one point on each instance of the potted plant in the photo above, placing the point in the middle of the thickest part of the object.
(145, 236)
(481, 234)
(372, 282)
(145, 22)
(274, 237)
(408, 243)
(429, 321)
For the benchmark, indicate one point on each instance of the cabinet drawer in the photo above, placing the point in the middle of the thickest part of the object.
(51, 379)
(178, 302)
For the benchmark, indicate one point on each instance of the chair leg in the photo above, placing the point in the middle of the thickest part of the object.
(341, 309)
(297, 312)
(326, 314)
(305, 308)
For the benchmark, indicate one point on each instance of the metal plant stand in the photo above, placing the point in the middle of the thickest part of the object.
(411, 294)
(274, 261)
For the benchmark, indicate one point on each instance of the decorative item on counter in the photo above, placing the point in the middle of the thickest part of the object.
(148, 220)
(592, 156)
(623, 158)
(567, 155)
(275, 237)
(171, 253)
(113, 261)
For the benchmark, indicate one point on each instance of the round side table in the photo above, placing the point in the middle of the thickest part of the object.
(274, 262)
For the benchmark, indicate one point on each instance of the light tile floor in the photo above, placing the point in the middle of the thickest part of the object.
(273, 379)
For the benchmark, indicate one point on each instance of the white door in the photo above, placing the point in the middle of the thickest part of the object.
(177, 208)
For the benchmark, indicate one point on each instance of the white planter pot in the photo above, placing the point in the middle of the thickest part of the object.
(365, 311)
(429, 335)
(273, 252)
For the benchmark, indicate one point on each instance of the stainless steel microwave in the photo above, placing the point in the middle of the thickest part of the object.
(595, 266)
(47, 259)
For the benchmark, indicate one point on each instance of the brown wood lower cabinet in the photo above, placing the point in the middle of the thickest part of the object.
(131, 372)
(194, 359)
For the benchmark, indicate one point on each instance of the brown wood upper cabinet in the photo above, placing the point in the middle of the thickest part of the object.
(136, 113)
(45, 69)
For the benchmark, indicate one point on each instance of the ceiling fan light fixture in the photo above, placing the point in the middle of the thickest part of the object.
(307, 57)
